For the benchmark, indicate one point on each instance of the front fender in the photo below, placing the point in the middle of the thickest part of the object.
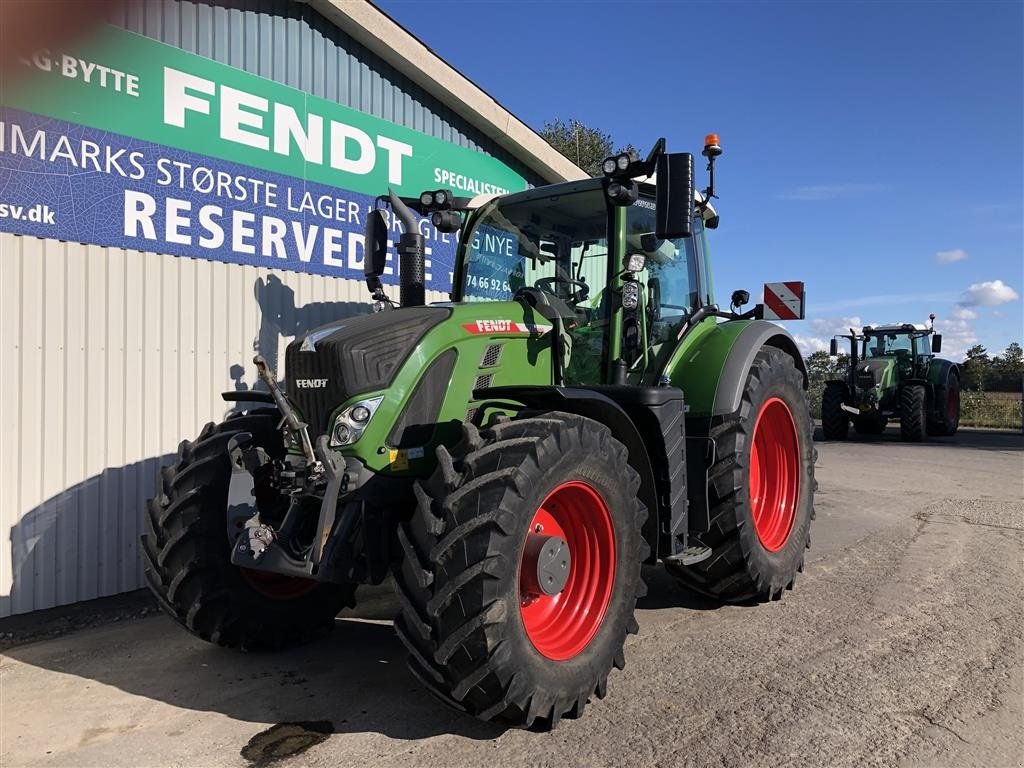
(713, 366)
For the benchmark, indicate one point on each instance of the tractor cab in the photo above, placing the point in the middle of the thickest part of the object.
(564, 248)
(910, 347)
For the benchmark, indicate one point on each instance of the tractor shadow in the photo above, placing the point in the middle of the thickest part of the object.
(965, 438)
(350, 680)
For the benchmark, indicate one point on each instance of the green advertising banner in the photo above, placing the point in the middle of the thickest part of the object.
(127, 142)
(131, 85)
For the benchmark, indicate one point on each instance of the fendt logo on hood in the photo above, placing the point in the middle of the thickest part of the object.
(504, 326)
(311, 383)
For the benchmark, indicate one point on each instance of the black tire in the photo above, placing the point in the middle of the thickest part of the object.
(913, 413)
(459, 585)
(835, 424)
(947, 421)
(741, 568)
(186, 552)
(869, 425)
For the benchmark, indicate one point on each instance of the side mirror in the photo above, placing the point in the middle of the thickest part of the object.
(674, 196)
(833, 348)
(936, 343)
(654, 300)
(375, 250)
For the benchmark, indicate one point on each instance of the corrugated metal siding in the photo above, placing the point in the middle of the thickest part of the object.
(115, 356)
(292, 44)
(111, 358)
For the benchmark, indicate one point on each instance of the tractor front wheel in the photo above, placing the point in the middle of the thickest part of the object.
(835, 424)
(761, 489)
(521, 569)
(913, 413)
(187, 553)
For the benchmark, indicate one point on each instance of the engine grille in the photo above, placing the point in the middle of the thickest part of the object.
(360, 355)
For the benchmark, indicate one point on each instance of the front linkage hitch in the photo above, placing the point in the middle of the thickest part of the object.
(324, 477)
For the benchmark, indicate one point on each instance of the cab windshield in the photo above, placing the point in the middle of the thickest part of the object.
(558, 244)
(895, 344)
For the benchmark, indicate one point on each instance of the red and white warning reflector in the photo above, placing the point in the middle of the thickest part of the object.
(784, 301)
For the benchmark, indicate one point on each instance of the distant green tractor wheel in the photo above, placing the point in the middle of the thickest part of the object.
(835, 424)
(913, 413)
(947, 420)
(762, 489)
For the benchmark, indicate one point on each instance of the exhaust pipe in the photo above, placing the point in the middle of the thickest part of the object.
(411, 248)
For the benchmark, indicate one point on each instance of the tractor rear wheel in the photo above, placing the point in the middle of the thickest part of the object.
(913, 413)
(187, 554)
(521, 569)
(948, 421)
(761, 489)
(835, 424)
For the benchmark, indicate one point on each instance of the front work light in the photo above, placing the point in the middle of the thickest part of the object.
(623, 193)
(608, 166)
(630, 295)
(636, 262)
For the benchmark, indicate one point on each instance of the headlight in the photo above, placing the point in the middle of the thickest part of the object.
(608, 166)
(630, 295)
(350, 423)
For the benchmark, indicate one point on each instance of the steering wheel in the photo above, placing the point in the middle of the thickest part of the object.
(543, 282)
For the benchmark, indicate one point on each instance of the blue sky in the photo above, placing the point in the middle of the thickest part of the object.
(873, 150)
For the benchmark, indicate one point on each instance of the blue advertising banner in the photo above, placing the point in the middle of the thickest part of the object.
(65, 181)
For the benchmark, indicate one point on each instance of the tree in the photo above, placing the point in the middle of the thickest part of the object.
(820, 369)
(1007, 370)
(585, 146)
(975, 368)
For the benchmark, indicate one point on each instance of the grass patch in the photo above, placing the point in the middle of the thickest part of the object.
(997, 410)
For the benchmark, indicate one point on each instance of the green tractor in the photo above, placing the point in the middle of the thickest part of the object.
(893, 373)
(512, 457)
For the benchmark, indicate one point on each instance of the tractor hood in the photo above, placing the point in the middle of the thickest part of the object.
(873, 372)
(332, 363)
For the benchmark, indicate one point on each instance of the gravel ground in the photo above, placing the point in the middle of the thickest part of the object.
(901, 646)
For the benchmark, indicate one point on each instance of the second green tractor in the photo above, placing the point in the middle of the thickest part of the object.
(893, 373)
(510, 457)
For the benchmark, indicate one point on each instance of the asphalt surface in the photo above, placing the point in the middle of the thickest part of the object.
(900, 646)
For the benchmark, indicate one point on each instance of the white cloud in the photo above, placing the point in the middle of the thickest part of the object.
(957, 337)
(808, 345)
(963, 313)
(846, 191)
(988, 294)
(822, 331)
(948, 257)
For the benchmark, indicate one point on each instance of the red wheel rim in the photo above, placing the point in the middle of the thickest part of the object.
(774, 474)
(951, 404)
(277, 587)
(560, 626)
